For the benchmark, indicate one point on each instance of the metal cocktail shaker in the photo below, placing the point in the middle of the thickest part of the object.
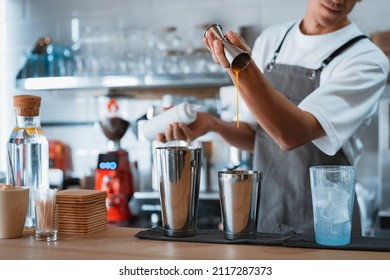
(238, 58)
(178, 171)
(239, 197)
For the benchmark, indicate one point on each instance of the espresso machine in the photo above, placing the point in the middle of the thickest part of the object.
(113, 172)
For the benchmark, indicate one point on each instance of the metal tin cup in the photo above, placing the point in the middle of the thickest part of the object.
(238, 58)
(239, 194)
(178, 173)
(333, 191)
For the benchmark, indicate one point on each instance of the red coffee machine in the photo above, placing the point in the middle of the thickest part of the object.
(113, 173)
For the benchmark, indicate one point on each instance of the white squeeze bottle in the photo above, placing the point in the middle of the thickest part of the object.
(184, 113)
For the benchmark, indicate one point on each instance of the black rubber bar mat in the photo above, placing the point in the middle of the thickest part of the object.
(287, 239)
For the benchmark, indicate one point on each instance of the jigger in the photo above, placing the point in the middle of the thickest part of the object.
(238, 58)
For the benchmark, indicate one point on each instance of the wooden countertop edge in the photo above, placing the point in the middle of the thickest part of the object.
(119, 243)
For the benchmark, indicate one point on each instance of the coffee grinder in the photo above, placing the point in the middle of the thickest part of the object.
(113, 173)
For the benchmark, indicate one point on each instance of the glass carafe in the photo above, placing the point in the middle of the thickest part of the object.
(28, 150)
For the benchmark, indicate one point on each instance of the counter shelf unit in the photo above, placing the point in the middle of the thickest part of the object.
(149, 202)
(124, 81)
(156, 195)
(146, 206)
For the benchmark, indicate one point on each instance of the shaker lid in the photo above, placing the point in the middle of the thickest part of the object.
(29, 105)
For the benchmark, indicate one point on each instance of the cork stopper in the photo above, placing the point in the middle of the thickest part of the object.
(28, 105)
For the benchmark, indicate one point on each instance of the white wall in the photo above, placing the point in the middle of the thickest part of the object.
(4, 102)
(24, 21)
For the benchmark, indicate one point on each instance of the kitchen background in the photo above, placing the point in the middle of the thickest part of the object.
(122, 37)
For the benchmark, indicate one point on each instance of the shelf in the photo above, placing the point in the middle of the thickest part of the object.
(128, 81)
(155, 195)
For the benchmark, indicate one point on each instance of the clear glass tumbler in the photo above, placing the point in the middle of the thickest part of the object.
(333, 191)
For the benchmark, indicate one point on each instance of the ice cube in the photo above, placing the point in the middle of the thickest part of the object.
(322, 222)
(322, 197)
(342, 228)
(338, 214)
(322, 214)
(340, 197)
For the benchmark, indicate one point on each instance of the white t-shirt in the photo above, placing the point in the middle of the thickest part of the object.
(350, 86)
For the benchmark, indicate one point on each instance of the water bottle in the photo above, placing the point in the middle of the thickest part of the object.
(28, 150)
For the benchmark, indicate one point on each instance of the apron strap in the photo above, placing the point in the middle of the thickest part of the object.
(340, 50)
(324, 63)
(271, 64)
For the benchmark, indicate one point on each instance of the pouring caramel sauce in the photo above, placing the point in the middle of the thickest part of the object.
(237, 71)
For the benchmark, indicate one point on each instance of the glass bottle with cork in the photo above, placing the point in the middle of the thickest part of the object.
(28, 150)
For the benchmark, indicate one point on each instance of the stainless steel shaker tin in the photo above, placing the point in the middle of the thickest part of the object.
(239, 197)
(179, 181)
(238, 58)
(239, 175)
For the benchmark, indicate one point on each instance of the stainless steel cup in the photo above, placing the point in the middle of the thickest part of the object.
(178, 173)
(238, 58)
(239, 191)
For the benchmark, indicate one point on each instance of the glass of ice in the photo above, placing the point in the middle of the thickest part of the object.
(333, 191)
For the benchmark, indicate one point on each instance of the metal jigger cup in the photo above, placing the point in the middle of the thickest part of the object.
(238, 58)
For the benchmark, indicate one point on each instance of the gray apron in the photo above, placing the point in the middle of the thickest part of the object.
(285, 196)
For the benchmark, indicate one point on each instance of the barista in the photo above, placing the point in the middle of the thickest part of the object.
(310, 90)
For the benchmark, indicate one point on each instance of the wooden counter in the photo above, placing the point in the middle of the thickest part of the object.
(119, 243)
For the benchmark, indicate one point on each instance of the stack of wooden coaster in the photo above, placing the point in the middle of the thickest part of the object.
(81, 211)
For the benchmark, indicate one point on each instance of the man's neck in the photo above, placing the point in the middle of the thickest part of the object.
(311, 26)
